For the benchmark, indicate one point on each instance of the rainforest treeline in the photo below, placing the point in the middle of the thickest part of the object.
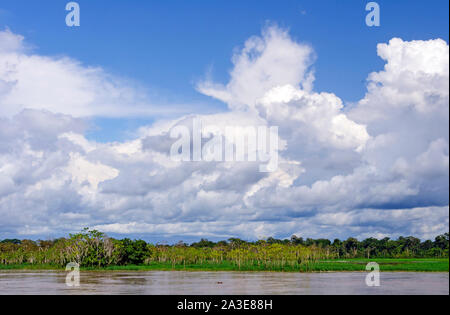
(91, 248)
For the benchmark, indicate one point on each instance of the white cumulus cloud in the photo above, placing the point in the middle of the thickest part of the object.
(377, 168)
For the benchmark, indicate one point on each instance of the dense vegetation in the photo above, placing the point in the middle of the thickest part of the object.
(93, 249)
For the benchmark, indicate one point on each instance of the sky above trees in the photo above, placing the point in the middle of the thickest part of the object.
(374, 166)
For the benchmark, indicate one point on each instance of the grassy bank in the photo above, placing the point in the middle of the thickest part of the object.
(416, 265)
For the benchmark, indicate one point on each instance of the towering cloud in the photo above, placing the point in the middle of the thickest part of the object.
(377, 168)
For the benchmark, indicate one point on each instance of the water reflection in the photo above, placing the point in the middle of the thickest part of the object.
(221, 283)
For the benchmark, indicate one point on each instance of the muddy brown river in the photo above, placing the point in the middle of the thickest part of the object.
(221, 283)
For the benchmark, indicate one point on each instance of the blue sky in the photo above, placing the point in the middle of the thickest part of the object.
(86, 113)
(167, 46)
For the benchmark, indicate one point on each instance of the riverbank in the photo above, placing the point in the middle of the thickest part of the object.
(386, 264)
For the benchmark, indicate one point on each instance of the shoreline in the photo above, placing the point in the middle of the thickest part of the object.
(350, 265)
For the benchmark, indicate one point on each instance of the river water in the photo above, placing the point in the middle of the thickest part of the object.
(221, 283)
